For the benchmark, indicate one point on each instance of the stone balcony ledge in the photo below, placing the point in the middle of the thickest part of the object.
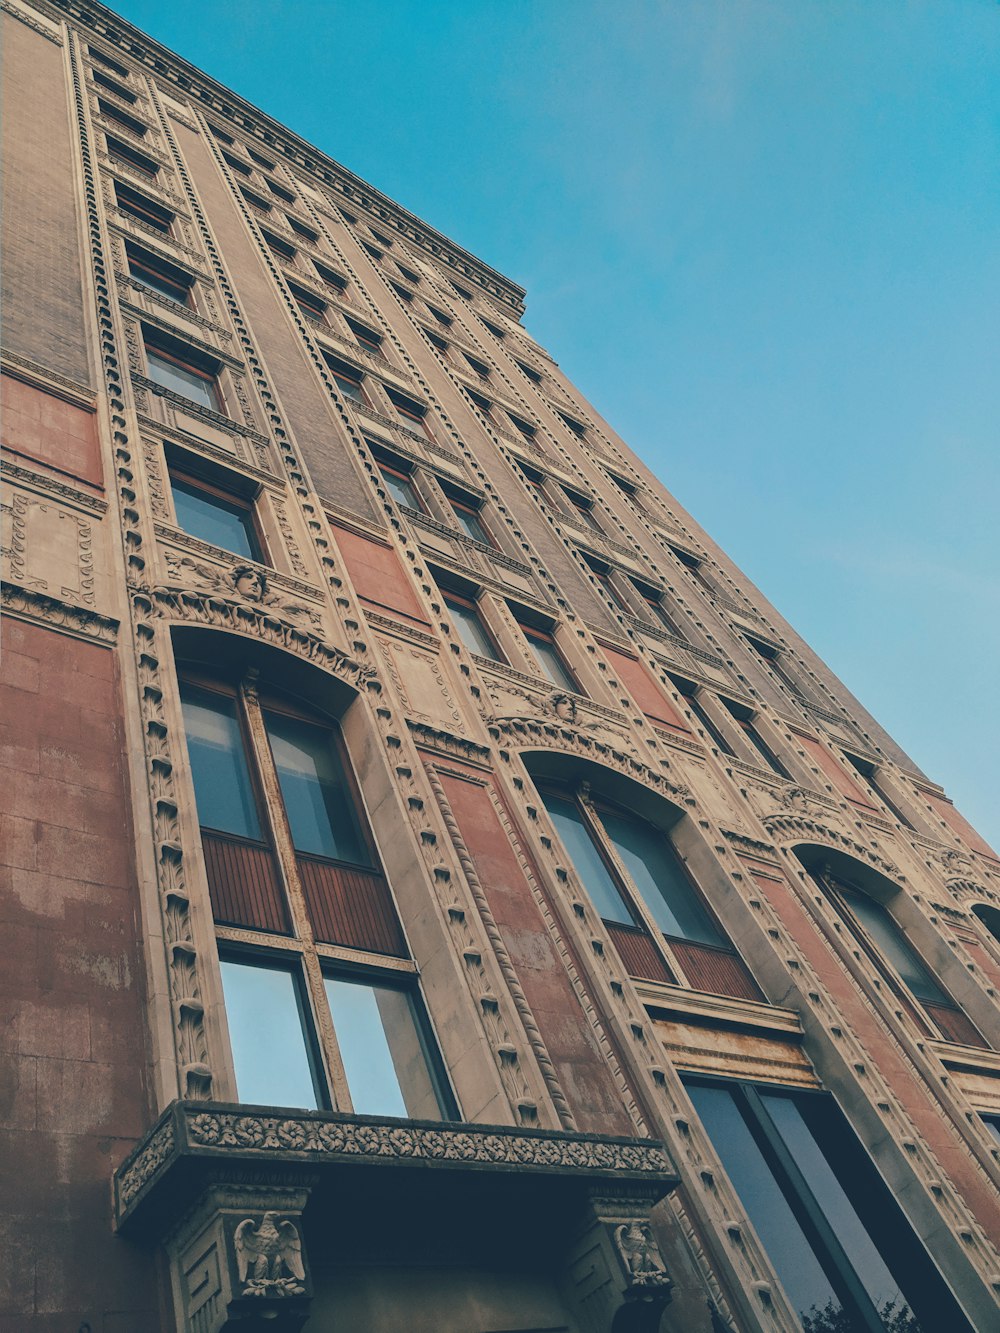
(196, 1142)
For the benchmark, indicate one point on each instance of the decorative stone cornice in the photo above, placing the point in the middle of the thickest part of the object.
(38, 481)
(40, 377)
(53, 614)
(228, 1137)
(797, 828)
(447, 743)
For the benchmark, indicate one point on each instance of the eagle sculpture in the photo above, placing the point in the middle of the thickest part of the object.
(269, 1257)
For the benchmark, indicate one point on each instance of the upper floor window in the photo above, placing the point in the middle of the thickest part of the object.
(744, 718)
(440, 316)
(841, 1246)
(469, 520)
(382, 240)
(532, 374)
(410, 414)
(367, 338)
(261, 161)
(306, 1028)
(575, 426)
(869, 773)
(334, 280)
(623, 862)
(525, 428)
(258, 202)
(774, 659)
(122, 118)
(583, 509)
(657, 610)
(347, 379)
(159, 275)
(408, 274)
(183, 369)
(146, 211)
(98, 55)
(471, 629)
(875, 926)
(298, 227)
(215, 515)
(484, 404)
(310, 305)
(237, 165)
(494, 329)
(465, 295)
(690, 692)
(131, 157)
(400, 486)
(547, 655)
(437, 342)
(479, 367)
(280, 192)
(113, 86)
(372, 250)
(278, 247)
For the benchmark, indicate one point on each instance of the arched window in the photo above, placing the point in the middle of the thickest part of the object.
(892, 953)
(645, 895)
(322, 1004)
(990, 917)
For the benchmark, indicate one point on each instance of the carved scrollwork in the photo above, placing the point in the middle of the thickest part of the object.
(247, 582)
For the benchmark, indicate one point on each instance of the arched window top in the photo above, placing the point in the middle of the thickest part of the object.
(990, 917)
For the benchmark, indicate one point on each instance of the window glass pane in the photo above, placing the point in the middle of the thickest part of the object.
(890, 940)
(264, 1014)
(159, 282)
(471, 630)
(186, 382)
(383, 1049)
(401, 489)
(652, 864)
(222, 787)
(865, 1259)
(470, 524)
(319, 806)
(552, 664)
(349, 388)
(793, 1257)
(205, 516)
(992, 1124)
(586, 860)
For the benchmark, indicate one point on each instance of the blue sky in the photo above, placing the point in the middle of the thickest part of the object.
(762, 237)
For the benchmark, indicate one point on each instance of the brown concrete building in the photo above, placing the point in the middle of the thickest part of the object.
(439, 893)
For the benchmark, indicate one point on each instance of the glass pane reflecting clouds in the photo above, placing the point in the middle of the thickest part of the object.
(267, 1036)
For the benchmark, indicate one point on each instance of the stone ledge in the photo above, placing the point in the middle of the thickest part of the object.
(193, 1142)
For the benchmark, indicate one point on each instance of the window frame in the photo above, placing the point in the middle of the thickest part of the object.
(145, 211)
(533, 633)
(158, 350)
(298, 951)
(146, 261)
(395, 470)
(449, 597)
(229, 499)
(476, 511)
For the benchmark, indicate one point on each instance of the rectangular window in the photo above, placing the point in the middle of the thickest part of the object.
(209, 514)
(279, 191)
(479, 367)
(484, 404)
(382, 240)
(530, 371)
(690, 693)
(159, 275)
(222, 786)
(319, 805)
(743, 718)
(773, 657)
(184, 371)
(471, 629)
(348, 380)
(440, 316)
(311, 306)
(409, 274)
(582, 509)
(391, 1065)
(268, 1033)
(255, 201)
(107, 62)
(112, 86)
(122, 118)
(657, 610)
(367, 338)
(840, 1244)
(279, 248)
(548, 657)
(497, 332)
(237, 165)
(334, 280)
(524, 427)
(868, 772)
(470, 522)
(130, 157)
(604, 578)
(579, 430)
(375, 253)
(466, 296)
(410, 414)
(302, 230)
(264, 162)
(587, 861)
(400, 486)
(402, 293)
(437, 342)
(143, 210)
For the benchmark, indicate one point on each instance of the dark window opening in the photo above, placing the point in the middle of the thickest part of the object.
(348, 380)
(302, 230)
(131, 157)
(690, 692)
(774, 659)
(186, 371)
(107, 62)
(525, 427)
(279, 191)
(549, 658)
(216, 516)
(579, 430)
(530, 371)
(279, 248)
(144, 210)
(494, 329)
(471, 629)
(869, 773)
(334, 280)
(400, 485)
(480, 367)
(159, 275)
(470, 522)
(103, 81)
(440, 316)
(743, 717)
(484, 404)
(408, 273)
(372, 250)
(368, 339)
(264, 162)
(311, 306)
(256, 201)
(237, 165)
(410, 414)
(122, 118)
(222, 135)
(465, 295)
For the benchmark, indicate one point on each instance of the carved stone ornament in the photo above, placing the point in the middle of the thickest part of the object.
(248, 582)
(269, 1257)
(640, 1255)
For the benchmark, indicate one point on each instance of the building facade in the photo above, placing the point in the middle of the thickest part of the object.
(440, 893)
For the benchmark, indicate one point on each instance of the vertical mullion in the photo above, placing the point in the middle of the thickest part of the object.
(284, 846)
(806, 1208)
